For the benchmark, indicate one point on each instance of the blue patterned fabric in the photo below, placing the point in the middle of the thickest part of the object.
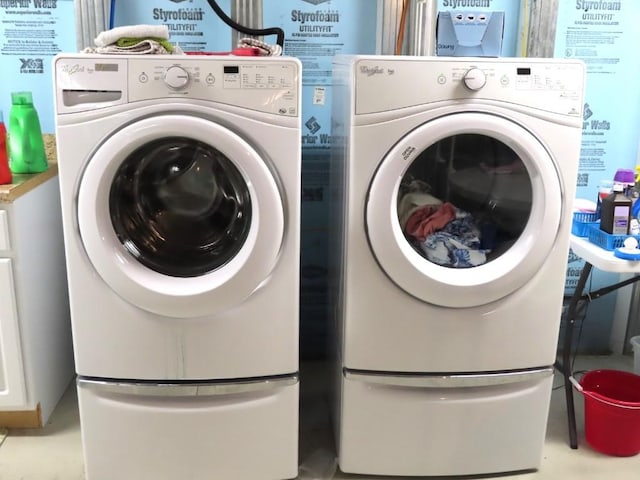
(457, 245)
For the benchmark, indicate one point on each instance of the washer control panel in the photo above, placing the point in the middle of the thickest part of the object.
(264, 84)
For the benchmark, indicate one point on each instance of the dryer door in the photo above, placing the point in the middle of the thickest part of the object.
(180, 216)
(464, 210)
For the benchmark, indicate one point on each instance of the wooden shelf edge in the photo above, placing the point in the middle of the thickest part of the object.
(21, 418)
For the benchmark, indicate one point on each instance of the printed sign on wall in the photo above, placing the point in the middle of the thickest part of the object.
(511, 9)
(193, 25)
(316, 31)
(604, 35)
(31, 33)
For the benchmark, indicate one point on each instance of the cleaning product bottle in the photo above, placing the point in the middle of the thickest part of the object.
(5, 173)
(26, 147)
(604, 189)
(616, 212)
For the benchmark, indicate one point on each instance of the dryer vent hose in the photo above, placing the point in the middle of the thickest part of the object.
(247, 31)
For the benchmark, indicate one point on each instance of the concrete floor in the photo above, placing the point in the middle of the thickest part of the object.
(55, 452)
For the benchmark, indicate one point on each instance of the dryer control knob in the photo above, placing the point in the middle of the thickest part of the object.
(176, 77)
(475, 79)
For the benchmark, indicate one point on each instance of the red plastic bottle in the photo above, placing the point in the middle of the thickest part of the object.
(5, 173)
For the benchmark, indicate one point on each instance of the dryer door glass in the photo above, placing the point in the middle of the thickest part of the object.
(464, 209)
(180, 206)
(464, 200)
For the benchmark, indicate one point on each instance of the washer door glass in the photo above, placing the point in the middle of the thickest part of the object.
(180, 206)
(180, 216)
(464, 210)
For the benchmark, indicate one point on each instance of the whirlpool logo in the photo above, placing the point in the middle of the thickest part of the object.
(180, 1)
(315, 2)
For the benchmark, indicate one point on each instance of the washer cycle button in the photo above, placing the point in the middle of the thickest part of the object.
(176, 77)
(442, 79)
(143, 78)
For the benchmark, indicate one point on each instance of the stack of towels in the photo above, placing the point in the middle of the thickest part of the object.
(154, 39)
(136, 40)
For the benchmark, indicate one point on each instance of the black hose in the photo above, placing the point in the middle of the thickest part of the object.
(248, 31)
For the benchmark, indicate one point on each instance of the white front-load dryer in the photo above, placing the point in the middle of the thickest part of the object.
(452, 186)
(180, 186)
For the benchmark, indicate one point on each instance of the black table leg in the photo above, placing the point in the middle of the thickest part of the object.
(566, 354)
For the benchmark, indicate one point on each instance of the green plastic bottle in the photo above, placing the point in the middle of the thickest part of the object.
(25, 146)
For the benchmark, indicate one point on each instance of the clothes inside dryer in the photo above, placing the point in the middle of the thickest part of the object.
(464, 200)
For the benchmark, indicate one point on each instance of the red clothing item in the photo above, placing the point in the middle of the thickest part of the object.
(431, 218)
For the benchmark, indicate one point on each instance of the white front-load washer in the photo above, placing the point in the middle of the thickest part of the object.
(180, 186)
(452, 186)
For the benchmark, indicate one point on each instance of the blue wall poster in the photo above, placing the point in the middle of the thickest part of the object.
(315, 31)
(605, 36)
(31, 33)
(511, 9)
(193, 25)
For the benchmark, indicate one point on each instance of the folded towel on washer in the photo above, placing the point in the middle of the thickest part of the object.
(136, 40)
(127, 42)
(142, 47)
(110, 37)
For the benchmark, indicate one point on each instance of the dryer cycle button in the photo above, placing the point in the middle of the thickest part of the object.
(474, 79)
(176, 77)
(442, 79)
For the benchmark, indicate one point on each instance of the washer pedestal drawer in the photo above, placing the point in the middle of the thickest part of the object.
(396, 428)
(197, 432)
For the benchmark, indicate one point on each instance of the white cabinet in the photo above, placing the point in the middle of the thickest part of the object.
(36, 356)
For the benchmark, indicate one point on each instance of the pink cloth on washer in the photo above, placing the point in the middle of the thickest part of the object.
(429, 219)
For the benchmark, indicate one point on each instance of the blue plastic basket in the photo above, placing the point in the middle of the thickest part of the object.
(606, 240)
(581, 222)
(584, 217)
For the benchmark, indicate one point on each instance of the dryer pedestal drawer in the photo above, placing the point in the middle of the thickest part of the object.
(190, 432)
(396, 428)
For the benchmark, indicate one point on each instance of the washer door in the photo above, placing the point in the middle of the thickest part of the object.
(180, 216)
(464, 210)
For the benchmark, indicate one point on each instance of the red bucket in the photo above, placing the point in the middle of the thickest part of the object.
(612, 411)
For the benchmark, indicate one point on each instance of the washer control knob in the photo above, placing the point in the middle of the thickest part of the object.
(176, 77)
(474, 79)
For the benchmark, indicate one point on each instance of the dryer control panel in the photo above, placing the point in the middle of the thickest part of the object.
(547, 85)
(265, 84)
